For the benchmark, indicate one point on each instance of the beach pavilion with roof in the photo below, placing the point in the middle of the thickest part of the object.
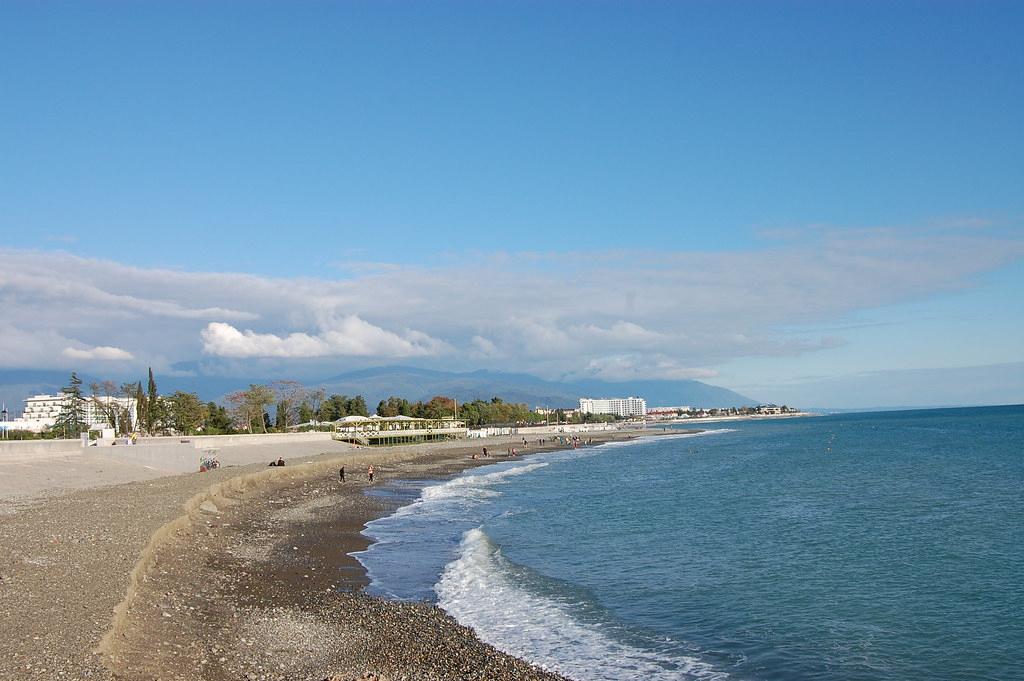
(394, 430)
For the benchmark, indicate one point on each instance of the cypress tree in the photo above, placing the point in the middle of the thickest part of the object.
(141, 408)
(151, 402)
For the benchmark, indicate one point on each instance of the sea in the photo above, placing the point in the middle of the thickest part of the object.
(842, 547)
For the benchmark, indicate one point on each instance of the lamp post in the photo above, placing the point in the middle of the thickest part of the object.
(4, 414)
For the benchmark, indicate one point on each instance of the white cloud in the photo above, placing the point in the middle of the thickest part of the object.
(101, 352)
(32, 348)
(58, 279)
(483, 347)
(348, 336)
(621, 333)
(639, 314)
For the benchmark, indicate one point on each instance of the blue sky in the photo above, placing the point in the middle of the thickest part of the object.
(518, 151)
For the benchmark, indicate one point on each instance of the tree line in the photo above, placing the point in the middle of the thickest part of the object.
(261, 408)
(136, 409)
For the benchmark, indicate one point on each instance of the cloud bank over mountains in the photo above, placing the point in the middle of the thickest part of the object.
(349, 336)
(610, 315)
(101, 352)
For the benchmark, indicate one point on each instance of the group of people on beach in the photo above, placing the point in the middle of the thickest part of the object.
(369, 473)
(575, 440)
(511, 451)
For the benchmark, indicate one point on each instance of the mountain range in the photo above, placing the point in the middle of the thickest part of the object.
(413, 384)
(416, 384)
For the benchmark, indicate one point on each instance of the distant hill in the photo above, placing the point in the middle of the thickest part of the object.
(422, 384)
(17, 384)
(411, 383)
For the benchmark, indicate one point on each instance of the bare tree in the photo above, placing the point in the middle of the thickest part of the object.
(257, 398)
(289, 395)
(240, 412)
(104, 403)
(130, 410)
(315, 398)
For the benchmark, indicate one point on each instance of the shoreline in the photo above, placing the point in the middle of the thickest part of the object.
(253, 575)
(696, 421)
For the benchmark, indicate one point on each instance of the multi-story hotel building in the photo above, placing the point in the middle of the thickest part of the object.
(41, 411)
(620, 406)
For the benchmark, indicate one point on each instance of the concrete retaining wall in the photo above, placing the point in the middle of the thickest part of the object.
(217, 441)
(169, 457)
(27, 450)
(170, 454)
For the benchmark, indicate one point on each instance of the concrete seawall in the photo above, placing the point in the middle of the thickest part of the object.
(217, 441)
(172, 454)
(183, 454)
(171, 458)
(27, 450)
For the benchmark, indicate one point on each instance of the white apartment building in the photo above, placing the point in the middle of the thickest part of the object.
(41, 411)
(620, 406)
(43, 408)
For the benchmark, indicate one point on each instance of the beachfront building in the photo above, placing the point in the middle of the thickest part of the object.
(394, 430)
(667, 412)
(566, 412)
(41, 411)
(626, 407)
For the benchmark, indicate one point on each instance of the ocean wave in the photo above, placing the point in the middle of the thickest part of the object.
(644, 439)
(469, 483)
(481, 591)
(411, 546)
(465, 490)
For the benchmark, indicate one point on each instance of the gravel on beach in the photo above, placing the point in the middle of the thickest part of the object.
(257, 584)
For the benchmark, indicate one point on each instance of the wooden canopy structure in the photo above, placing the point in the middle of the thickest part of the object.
(395, 430)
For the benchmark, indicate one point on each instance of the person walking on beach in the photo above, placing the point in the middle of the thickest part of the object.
(369, 472)
(341, 474)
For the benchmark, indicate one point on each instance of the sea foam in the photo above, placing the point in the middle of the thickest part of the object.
(411, 547)
(480, 590)
(473, 484)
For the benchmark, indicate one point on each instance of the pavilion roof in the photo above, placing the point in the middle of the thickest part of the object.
(375, 417)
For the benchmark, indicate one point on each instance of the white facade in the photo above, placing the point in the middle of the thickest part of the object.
(620, 406)
(41, 411)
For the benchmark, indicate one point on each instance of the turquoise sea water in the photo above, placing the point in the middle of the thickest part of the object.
(853, 547)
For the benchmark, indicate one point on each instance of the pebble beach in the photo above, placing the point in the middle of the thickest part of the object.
(237, 573)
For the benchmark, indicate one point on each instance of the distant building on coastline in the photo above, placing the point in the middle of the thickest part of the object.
(667, 412)
(551, 411)
(41, 411)
(625, 407)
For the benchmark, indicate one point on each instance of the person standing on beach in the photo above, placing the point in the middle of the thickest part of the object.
(341, 474)
(369, 472)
